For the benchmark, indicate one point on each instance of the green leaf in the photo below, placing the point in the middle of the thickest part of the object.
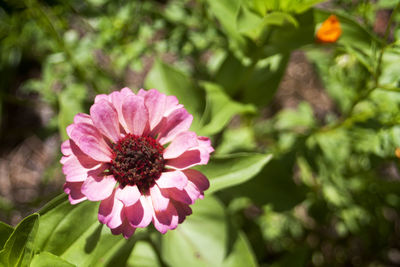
(74, 234)
(241, 254)
(5, 232)
(143, 255)
(230, 170)
(226, 12)
(46, 259)
(286, 38)
(172, 81)
(205, 239)
(18, 250)
(222, 109)
(274, 185)
(264, 80)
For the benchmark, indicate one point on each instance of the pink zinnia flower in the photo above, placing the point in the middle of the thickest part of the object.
(134, 153)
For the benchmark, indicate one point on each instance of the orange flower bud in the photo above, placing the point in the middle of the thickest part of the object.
(329, 31)
(397, 152)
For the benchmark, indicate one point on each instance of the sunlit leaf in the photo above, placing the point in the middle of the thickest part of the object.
(18, 250)
(229, 170)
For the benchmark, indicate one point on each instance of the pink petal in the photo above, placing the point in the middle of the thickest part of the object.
(98, 186)
(166, 220)
(160, 202)
(177, 122)
(171, 104)
(187, 195)
(74, 192)
(110, 211)
(180, 144)
(182, 209)
(129, 195)
(105, 118)
(90, 141)
(125, 229)
(140, 214)
(126, 91)
(73, 170)
(86, 161)
(66, 148)
(172, 179)
(186, 160)
(83, 118)
(135, 114)
(100, 97)
(205, 143)
(116, 98)
(155, 103)
(198, 179)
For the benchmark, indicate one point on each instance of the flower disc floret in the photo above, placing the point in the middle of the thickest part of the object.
(137, 161)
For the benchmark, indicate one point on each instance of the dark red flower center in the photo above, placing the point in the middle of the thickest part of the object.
(137, 161)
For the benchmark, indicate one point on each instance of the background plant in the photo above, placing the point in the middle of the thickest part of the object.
(299, 176)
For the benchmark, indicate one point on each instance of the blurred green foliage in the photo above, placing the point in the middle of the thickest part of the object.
(290, 186)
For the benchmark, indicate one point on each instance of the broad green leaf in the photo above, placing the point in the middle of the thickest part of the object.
(205, 239)
(5, 232)
(241, 255)
(241, 139)
(74, 234)
(296, 6)
(143, 255)
(264, 80)
(254, 26)
(229, 170)
(172, 81)
(46, 259)
(201, 239)
(70, 103)
(222, 109)
(273, 185)
(226, 12)
(18, 250)
(286, 38)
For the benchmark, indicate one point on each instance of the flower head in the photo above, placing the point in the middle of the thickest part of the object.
(330, 30)
(134, 153)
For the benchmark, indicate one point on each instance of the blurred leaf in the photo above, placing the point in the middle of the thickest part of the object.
(222, 109)
(18, 250)
(284, 39)
(297, 120)
(242, 255)
(296, 6)
(240, 139)
(256, 84)
(226, 12)
(264, 80)
(203, 238)
(254, 26)
(273, 185)
(172, 81)
(143, 255)
(229, 170)
(46, 259)
(70, 103)
(5, 232)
